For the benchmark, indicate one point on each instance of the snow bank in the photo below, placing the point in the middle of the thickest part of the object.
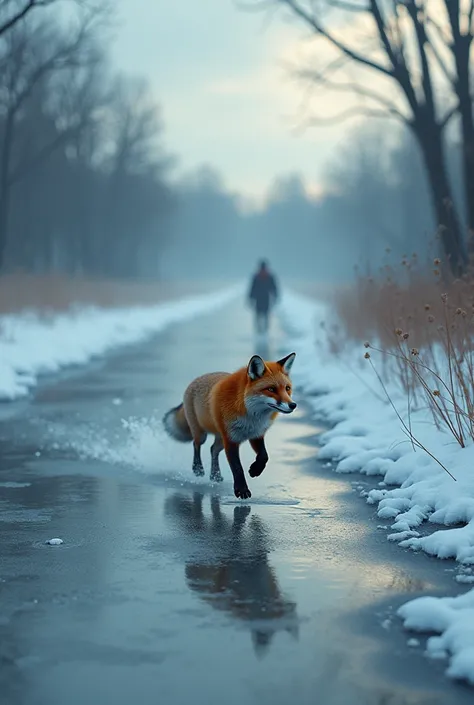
(31, 345)
(366, 436)
(453, 619)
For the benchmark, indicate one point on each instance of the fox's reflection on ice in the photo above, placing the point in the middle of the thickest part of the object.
(233, 573)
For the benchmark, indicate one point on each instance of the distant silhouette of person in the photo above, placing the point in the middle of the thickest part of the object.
(262, 296)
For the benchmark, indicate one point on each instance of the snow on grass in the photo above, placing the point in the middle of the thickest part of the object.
(31, 345)
(366, 436)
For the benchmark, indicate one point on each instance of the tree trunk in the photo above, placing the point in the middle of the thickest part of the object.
(4, 208)
(431, 143)
(5, 156)
(463, 90)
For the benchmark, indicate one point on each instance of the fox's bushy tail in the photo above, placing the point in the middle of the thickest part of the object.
(176, 425)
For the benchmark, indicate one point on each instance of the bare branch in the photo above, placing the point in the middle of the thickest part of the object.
(312, 22)
(422, 40)
(21, 13)
(470, 18)
(46, 150)
(351, 87)
(332, 67)
(442, 34)
(449, 115)
(64, 56)
(382, 30)
(453, 10)
(441, 62)
(357, 111)
(400, 70)
(398, 35)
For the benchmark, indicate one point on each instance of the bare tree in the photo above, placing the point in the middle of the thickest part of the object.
(58, 141)
(132, 160)
(83, 185)
(397, 48)
(32, 55)
(450, 44)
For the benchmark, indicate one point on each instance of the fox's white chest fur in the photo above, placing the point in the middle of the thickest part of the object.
(250, 426)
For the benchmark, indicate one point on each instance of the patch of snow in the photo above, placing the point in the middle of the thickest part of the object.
(463, 578)
(452, 619)
(401, 536)
(32, 345)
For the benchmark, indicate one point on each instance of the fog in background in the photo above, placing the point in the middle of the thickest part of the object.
(105, 174)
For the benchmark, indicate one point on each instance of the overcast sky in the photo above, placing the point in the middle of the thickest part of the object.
(226, 98)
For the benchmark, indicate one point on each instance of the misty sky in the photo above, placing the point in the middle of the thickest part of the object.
(226, 98)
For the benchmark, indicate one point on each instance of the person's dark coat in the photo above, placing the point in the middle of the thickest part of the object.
(263, 291)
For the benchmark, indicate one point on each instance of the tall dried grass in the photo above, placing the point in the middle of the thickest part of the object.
(421, 328)
(55, 292)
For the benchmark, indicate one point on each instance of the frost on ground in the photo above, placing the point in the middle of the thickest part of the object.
(31, 345)
(366, 436)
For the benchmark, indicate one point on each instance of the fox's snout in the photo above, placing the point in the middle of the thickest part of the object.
(286, 407)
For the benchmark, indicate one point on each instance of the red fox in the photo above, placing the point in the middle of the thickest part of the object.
(235, 408)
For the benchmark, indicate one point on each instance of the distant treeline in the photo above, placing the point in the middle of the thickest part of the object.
(376, 208)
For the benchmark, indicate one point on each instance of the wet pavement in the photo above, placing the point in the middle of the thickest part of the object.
(169, 590)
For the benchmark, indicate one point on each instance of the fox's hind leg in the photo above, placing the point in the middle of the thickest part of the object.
(198, 434)
(216, 448)
(198, 468)
(199, 437)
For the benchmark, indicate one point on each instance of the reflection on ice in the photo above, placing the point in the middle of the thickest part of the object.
(230, 569)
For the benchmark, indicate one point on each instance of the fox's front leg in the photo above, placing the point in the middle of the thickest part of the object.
(258, 466)
(241, 489)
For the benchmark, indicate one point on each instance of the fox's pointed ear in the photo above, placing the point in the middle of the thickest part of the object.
(256, 367)
(287, 363)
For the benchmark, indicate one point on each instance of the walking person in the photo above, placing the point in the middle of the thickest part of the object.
(262, 296)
